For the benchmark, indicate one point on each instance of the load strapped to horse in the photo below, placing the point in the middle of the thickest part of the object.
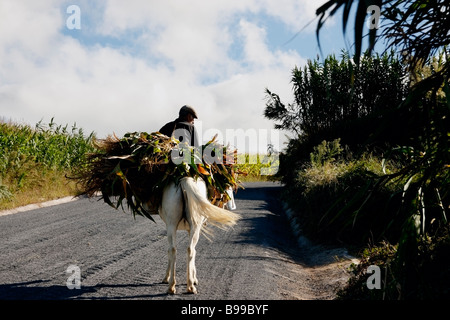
(156, 174)
(138, 167)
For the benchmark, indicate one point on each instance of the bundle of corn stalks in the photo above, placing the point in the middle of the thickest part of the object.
(139, 166)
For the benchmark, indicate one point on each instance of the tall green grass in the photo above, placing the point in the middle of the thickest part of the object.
(257, 167)
(329, 194)
(39, 157)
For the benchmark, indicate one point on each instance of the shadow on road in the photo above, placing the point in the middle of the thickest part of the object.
(40, 290)
(267, 225)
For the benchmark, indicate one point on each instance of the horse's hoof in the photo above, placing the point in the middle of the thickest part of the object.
(171, 291)
(192, 290)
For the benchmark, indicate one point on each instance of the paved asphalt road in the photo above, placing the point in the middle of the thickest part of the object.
(124, 258)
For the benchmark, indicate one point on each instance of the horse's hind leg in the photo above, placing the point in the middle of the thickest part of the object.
(194, 235)
(172, 253)
(171, 213)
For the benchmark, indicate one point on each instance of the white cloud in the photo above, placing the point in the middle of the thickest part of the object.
(183, 57)
(295, 14)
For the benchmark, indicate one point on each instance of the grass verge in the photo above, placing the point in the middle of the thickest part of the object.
(34, 161)
(43, 186)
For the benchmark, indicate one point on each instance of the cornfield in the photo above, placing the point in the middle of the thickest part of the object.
(29, 155)
(257, 167)
(53, 146)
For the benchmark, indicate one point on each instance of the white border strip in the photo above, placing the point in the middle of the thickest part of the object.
(39, 205)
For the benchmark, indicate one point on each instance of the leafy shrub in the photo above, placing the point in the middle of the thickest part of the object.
(356, 288)
(326, 152)
(427, 276)
(331, 199)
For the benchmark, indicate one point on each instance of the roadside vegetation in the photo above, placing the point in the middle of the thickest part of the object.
(257, 167)
(377, 181)
(368, 164)
(34, 161)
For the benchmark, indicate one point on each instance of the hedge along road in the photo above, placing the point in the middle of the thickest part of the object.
(119, 257)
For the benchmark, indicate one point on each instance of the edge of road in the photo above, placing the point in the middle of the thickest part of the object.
(34, 206)
(44, 204)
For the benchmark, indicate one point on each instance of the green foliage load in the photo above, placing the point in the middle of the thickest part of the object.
(137, 168)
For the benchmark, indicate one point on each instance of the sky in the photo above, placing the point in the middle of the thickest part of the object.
(115, 66)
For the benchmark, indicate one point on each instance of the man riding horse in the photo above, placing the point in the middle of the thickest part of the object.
(183, 129)
(183, 126)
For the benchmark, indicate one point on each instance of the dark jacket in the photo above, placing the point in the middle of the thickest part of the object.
(187, 133)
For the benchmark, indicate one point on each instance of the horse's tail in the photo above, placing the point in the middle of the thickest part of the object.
(197, 205)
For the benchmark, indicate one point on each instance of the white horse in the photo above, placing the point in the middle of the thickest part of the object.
(186, 207)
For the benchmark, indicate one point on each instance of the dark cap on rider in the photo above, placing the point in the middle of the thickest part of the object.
(188, 110)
